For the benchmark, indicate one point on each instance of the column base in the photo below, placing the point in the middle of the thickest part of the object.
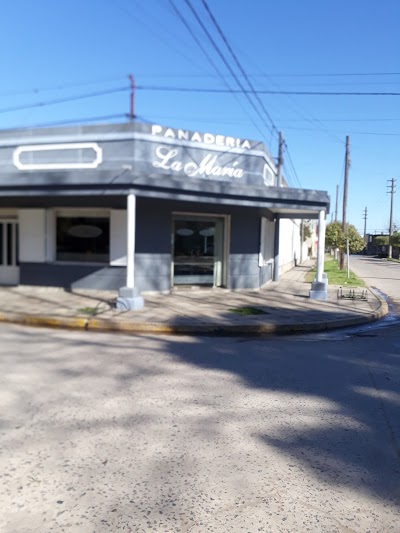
(129, 299)
(319, 290)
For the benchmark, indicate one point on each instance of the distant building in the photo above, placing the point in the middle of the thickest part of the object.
(379, 250)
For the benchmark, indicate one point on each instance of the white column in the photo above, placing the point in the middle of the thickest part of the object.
(321, 246)
(130, 247)
(129, 298)
(276, 248)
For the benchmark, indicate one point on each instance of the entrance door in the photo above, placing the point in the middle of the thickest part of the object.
(197, 250)
(9, 270)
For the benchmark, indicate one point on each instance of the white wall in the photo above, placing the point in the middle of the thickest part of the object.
(289, 244)
(118, 237)
(266, 242)
(32, 235)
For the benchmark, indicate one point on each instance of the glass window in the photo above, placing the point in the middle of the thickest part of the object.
(83, 238)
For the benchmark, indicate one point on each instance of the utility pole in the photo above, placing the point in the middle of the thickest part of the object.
(337, 201)
(280, 160)
(392, 191)
(346, 180)
(365, 224)
(131, 115)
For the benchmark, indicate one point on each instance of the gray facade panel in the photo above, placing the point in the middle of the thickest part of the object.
(266, 273)
(244, 264)
(244, 272)
(148, 159)
(72, 276)
(153, 272)
(154, 226)
(245, 231)
(153, 251)
(244, 282)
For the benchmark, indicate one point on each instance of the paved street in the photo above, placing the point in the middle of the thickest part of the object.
(379, 273)
(101, 432)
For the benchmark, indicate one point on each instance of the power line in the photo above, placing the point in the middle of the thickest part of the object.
(275, 75)
(69, 121)
(330, 74)
(239, 65)
(61, 87)
(379, 134)
(344, 120)
(228, 66)
(63, 100)
(38, 90)
(292, 165)
(262, 91)
(153, 28)
(221, 33)
(214, 65)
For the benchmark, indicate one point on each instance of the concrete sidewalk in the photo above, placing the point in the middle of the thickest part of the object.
(283, 307)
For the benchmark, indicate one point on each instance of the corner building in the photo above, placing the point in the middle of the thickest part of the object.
(111, 206)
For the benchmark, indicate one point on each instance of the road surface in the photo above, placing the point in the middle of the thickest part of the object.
(108, 433)
(379, 273)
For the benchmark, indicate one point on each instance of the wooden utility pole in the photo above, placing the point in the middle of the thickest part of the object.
(346, 180)
(280, 160)
(391, 191)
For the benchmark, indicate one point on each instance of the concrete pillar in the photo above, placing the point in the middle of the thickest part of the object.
(319, 286)
(129, 298)
(130, 245)
(321, 246)
(276, 248)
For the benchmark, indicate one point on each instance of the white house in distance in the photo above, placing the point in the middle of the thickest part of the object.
(141, 208)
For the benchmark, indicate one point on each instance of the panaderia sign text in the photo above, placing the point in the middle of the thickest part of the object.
(175, 159)
(168, 159)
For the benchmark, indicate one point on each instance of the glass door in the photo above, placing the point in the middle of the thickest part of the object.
(9, 270)
(197, 251)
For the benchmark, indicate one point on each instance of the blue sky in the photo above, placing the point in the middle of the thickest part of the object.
(56, 50)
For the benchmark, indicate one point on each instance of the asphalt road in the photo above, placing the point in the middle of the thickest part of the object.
(112, 433)
(378, 273)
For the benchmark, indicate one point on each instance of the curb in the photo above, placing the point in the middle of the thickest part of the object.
(256, 330)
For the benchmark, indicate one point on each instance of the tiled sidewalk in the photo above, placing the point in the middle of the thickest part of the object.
(284, 307)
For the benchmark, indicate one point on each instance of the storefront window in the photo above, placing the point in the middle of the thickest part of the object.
(83, 238)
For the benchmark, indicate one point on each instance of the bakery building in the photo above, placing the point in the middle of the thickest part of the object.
(146, 208)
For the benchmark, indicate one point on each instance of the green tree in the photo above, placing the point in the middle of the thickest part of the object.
(334, 235)
(306, 230)
(396, 239)
(356, 242)
(381, 240)
(336, 238)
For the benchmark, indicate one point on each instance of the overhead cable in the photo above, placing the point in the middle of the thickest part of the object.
(223, 37)
(262, 91)
(213, 64)
(68, 121)
(63, 100)
(226, 63)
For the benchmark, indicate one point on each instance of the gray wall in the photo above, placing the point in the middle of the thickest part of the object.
(243, 270)
(72, 276)
(153, 244)
(153, 251)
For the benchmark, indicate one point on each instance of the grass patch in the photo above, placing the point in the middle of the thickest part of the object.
(247, 311)
(91, 311)
(336, 276)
